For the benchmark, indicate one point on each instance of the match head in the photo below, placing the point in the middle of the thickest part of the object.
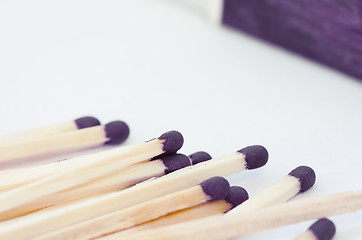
(255, 156)
(85, 122)
(306, 177)
(175, 162)
(198, 157)
(173, 141)
(116, 131)
(216, 187)
(323, 229)
(236, 196)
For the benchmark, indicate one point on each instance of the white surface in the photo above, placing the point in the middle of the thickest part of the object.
(159, 66)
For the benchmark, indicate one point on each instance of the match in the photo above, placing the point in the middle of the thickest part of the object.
(323, 229)
(12, 178)
(29, 197)
(79, 123)
(16, 177)
(236, 196)
(298, 180)
(21, 176)
(121, 180)
(215, 188)
(250, 157)
(111, 133)
(229, 226)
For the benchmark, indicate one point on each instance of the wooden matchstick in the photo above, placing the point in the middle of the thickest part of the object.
(215, 188)
(13, 178)
(229, 226)
(120, 180)
(16, 177)
(29, 197)
(79, 123)
(111, 133)
(20, 176)
(236, 196)
(247, 158)
(298, 180)
(323, 229)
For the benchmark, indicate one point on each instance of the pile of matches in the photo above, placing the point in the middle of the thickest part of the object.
(146, 191)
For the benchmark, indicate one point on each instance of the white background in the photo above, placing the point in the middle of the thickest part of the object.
(159, 65)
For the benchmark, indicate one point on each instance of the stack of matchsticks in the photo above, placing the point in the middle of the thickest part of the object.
(147, 190)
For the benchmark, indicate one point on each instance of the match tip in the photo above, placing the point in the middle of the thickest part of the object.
(85, 122)
(216, 187)
(198, 157)
(116, 131)
(236, 196)
(174, 141)
(323, 229)
(175, 162)
(255, 156)
(306, 177)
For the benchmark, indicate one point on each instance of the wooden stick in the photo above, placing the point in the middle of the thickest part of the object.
(323, 229)
(281, 191)
(298, 180)
(113, 132)
(17, 177)
(28, 198)
(236, 196)
(229, 226)
(307, 235)
(120, 180)
(197, 212)
(247, 158)
(80, 123)
(212, 189)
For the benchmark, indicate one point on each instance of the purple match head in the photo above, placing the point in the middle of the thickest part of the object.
(255, 156)
(86, 122)
(306, 177)
(173, 141)
(116, 131)
(216, 187)
(198, 157)
(323, 229)
(175, 162)
(236, 196)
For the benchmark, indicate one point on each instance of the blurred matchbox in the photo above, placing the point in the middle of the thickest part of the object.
(326, 31)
